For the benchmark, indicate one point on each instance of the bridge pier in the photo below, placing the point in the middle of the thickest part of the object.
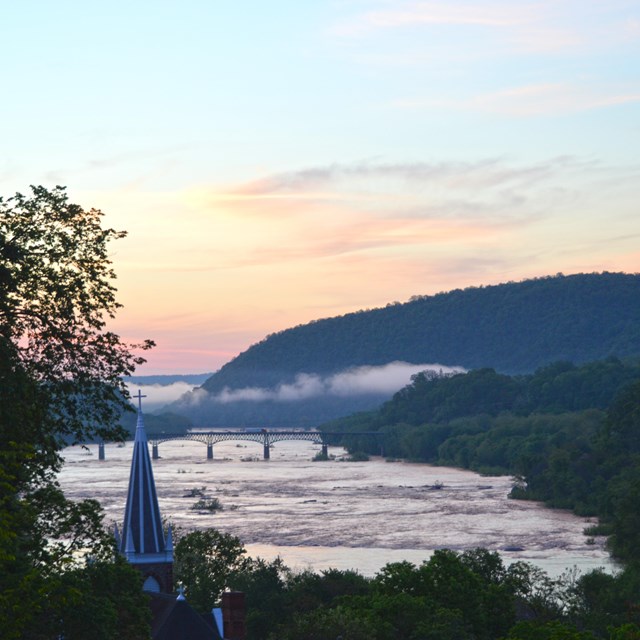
(101, 451)
(325, 450)
(209, 451)
(154, 451)
(267, 452)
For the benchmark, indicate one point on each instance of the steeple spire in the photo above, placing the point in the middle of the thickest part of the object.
(142, 540)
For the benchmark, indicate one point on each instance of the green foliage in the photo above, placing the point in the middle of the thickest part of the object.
(55, 298)
(470, 595)
(599, 600)
(554, 630)
(472, 586)
(102, 600)
(106, 603)
(308, 590)
(483, 394)
(60, 381)
(206, 562)
(207, 504)
(264, 585)
(570, 436)
(625, 632)
(329, 624)
(451, 596)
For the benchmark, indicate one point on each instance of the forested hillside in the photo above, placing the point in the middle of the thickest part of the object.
(557, 388)
(570, 435)
(513, 328)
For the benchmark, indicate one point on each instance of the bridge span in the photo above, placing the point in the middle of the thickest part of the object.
(266, 437)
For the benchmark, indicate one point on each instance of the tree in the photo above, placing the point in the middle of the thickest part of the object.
(553, 630)
(56, 294)
(329, 624)
(60, 382)
(206, 562)
(102, 601)
(263, 583)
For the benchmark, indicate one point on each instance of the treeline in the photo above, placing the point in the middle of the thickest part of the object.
(555, 388)
(452, 596)
(569, 434)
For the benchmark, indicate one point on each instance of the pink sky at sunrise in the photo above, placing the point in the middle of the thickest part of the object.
(276, 163)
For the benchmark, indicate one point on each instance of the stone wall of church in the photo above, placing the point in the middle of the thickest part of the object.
(162, 572)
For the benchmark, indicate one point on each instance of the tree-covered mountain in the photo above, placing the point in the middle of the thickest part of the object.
(514, 328)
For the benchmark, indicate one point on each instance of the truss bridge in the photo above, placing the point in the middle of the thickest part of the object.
(266, 437)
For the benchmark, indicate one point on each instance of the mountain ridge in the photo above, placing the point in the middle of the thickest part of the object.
(514, 327)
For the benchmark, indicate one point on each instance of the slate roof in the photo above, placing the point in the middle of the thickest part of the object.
(175, 619)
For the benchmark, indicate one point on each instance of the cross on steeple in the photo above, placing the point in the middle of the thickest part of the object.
(139, 397)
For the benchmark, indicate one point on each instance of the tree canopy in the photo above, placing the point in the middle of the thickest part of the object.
(206, 562)
(60, 382)
(56, 295)
(452, 595)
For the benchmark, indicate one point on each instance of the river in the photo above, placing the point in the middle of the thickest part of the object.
(339, 514)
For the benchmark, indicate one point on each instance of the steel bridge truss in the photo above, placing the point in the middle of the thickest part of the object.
(262, 436)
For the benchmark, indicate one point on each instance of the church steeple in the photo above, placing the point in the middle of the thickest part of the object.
(142, 541)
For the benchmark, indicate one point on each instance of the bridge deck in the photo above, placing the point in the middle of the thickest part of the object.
(264, 436)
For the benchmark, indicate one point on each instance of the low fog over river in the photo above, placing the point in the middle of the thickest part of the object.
(338, 514)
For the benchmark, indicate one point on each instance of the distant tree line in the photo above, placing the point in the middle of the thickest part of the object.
(156, 424)
(569, 434)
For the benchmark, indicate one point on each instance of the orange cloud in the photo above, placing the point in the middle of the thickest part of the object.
(216, 268)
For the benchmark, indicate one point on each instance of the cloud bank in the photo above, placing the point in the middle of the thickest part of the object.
(366, 380)
(158, 395)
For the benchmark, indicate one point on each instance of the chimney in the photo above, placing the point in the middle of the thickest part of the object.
(234, 613)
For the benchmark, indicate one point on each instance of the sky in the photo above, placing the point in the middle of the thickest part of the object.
(279, 162)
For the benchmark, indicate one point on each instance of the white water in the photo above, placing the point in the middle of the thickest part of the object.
(338, 514)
